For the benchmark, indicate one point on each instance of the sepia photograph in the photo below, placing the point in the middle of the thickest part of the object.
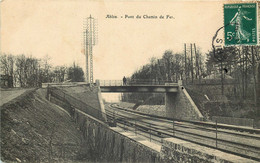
(130, 81)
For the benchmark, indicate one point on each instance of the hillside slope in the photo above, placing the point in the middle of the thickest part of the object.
(35, 130)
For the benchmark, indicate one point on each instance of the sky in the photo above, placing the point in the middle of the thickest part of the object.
(55, 28)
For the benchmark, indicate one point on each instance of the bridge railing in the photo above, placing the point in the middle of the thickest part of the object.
(111, 83)
(134, 82)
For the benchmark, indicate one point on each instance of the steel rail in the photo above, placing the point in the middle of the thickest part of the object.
(154, 128)
(148, 130)
(195, 126)
(220, 141)
(209, 124)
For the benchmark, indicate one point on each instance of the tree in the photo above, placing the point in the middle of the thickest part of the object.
(46, 70)
(60, 72)
(222, 59)
(7, 66)
(75, 74)
(20, 66)
(241, 63)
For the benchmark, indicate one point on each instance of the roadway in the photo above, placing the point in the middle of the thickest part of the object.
(234, 141)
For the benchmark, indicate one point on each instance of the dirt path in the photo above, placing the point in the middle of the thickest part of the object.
(10, 94)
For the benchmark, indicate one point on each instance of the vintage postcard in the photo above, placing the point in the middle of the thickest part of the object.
(130, 81)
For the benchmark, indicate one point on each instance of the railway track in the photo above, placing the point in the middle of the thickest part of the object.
(240, 141)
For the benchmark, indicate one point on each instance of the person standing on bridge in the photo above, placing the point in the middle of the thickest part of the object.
(124, 80)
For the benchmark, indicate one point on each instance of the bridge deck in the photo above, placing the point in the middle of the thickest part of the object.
(141, 88)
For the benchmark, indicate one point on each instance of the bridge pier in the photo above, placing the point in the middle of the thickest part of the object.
(178, 102)
(180, 105)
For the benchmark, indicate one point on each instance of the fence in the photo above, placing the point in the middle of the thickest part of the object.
(204, 133)
(234, 121)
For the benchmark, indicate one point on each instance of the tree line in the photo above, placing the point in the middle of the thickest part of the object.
(32, 72)
(240, 63)
(173, 67)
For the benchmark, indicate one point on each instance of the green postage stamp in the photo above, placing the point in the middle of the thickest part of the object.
(240, 22)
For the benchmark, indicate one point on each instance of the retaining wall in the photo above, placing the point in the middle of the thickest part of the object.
(112, 144)
(181, 106)
(176, 150)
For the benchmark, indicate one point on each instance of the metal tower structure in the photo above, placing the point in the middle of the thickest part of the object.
(90, 39)
(85, 47)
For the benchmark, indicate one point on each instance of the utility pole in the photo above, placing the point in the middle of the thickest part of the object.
(197, 63)
(185, 63)
(89, 41)
(254, 74)
(191, 63)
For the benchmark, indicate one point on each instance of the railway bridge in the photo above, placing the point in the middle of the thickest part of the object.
(156, 136)
(178, 102)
